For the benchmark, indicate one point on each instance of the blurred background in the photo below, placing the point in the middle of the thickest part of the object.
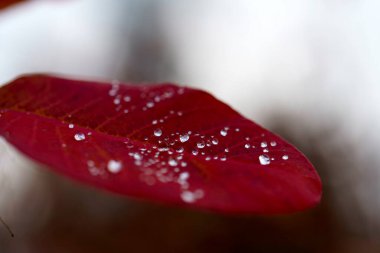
(308, 70)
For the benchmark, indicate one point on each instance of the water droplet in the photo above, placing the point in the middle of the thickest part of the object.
(114, 166)
(264, 144)
(273, 143)
(127, 98)
(183, 164)
(184, 138)
(247, 145)
(172, 162)
(215, 141)
(79, 136)
(226, 150)
(285, 157)
(112, 92)
(237, 129)
(223, 132)
(157, 132)
(71, 125)
(201, 144)
(116, 101)
(184, 176)
(137, 156)
(150, 104)
(264, 159)
(180, 150)
(188, 197)
(194, 152)
(265, 150)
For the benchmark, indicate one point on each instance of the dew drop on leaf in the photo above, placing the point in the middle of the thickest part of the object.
(112, 92)
(116, 101)
(188, 197)
(172, 162)
(264, 159)
(285, 157)
(184, 176)
(223, 132)
(137, 156)
(184, 138)
(114, 166)
(201, 144)
(79, 136)
(157, 132)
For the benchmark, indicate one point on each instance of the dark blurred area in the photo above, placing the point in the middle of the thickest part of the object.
(307, 70)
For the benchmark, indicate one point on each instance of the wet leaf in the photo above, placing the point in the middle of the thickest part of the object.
(160, 142)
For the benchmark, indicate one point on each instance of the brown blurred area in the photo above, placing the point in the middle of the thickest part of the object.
(304, 69)
(7, 3)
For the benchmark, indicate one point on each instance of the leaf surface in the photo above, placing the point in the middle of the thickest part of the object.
(160, 142)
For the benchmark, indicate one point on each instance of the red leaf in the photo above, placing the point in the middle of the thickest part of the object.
(161, 142)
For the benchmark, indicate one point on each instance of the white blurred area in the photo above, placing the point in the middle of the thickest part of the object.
(310, 68)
